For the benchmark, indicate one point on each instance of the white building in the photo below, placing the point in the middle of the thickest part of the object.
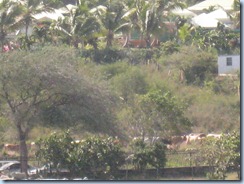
(228, 64)
(226, 5)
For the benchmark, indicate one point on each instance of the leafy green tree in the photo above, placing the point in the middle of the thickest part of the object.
(144, 154)
(222, 39)
(196, 66)
(55, 149)
(93, 157)
(158, 156)
(169, 108)
(170, 47)
(141, 154)
(158, 113)
(37, 89)
(184, 33)
(130, 83)
(105, 156)
(221, 154)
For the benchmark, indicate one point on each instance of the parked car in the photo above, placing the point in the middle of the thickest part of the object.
(47, 168)
(3, 162)
(48, 171)
(13, 167)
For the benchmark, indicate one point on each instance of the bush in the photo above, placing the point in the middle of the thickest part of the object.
(170, 47)
(221, 154)
(94, 157)
(144, 155)
(130, 83)
(111, 55)
(107, 55)
(224, 85)
(197, 65)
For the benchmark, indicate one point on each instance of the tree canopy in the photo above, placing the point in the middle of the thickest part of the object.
(36, 88)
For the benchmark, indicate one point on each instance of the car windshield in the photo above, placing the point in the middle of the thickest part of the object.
(5, 166)
(7, 161)
(13, 165)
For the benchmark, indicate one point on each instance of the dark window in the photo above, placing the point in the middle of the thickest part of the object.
(15, 166)
(229, 61)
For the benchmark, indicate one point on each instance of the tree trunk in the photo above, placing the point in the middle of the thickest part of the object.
(27, 40)
(23, 150)
(2, 37)
(126, 41)
(155, 42)
(110, 37)
(148, 41)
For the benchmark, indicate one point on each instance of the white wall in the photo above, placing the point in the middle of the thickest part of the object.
(29, 31)
(222, 64)
(20, 31)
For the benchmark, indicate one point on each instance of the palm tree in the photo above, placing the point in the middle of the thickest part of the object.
(9, 12)
(235, 16)
(79, 26)
(111, 15)
(149, 16)
(29, 9)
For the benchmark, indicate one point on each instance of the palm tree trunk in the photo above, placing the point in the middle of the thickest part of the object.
(126, 41)
(148, 41)
(2, 37)
(26, 35)
(110, 37)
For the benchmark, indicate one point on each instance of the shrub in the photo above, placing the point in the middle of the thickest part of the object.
(130, 83)
(107, 55)
(144, 155)
(93, 157)
(170, 47)
(111, 55)
(197, 65)
(224, 85)
(221, 155)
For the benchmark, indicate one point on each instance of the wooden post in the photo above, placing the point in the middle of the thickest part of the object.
(126, 172)
(191, 165)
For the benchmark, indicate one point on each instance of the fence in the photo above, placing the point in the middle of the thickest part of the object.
(183, 159)
(179, 164)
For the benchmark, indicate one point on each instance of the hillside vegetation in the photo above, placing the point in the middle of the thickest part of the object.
(166, 94)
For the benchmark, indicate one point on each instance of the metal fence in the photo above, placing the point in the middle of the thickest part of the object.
(179, 164)
(183, 159)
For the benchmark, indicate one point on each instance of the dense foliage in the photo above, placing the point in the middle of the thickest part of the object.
(221, 155)
(93, 157)
(140, 98)
(144, 155)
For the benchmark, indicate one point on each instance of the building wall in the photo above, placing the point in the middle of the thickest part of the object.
(228, 64)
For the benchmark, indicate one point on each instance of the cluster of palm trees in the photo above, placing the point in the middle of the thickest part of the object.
(85, 22)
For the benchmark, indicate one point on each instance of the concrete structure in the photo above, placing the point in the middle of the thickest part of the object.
(228, 64)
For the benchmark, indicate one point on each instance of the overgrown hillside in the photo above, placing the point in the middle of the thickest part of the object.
(151, 93)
